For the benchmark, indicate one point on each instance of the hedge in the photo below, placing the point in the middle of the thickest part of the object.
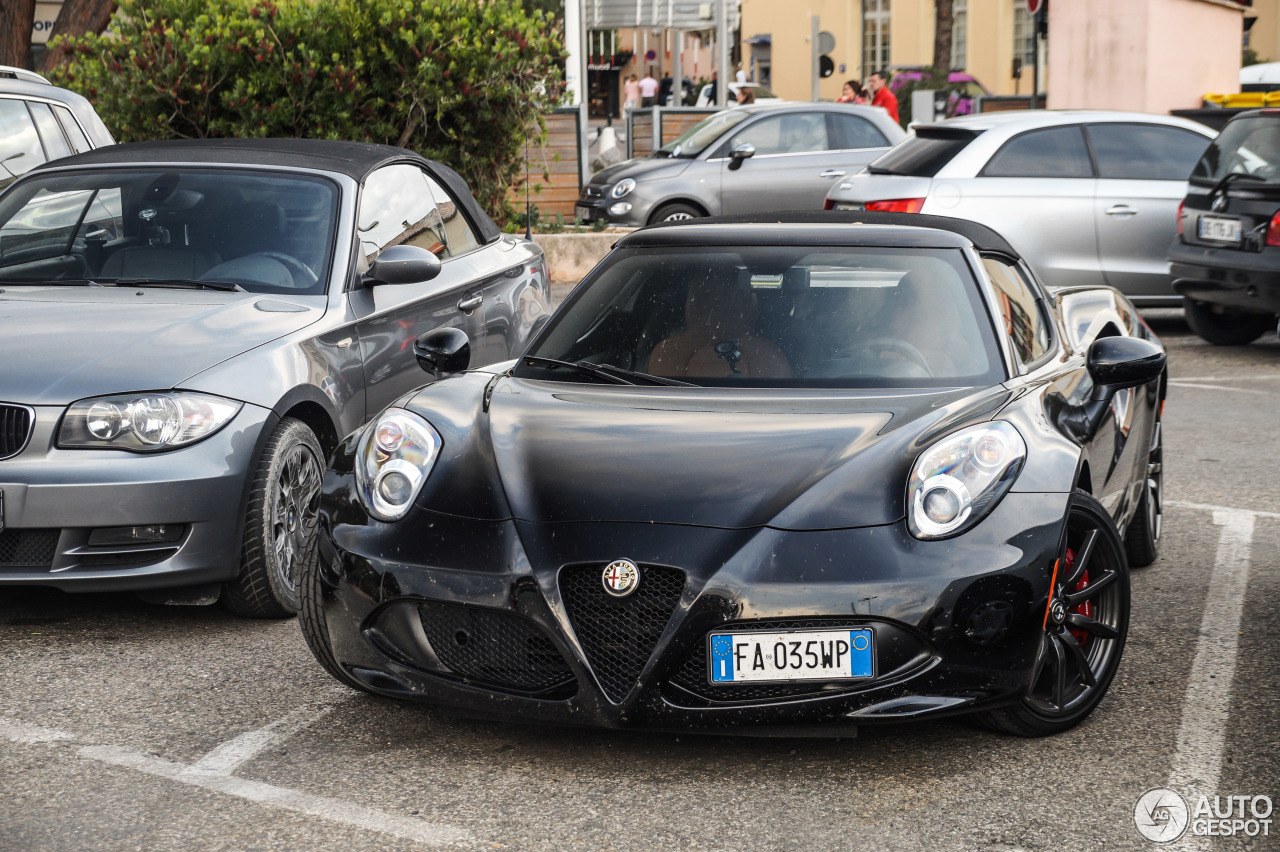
(460, 81)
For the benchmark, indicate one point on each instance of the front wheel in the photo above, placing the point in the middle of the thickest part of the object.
(279, 525)
(1086, 624)
(1225, 327)
(675, 213)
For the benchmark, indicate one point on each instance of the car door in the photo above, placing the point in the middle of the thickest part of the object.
(794, 164)
(397, 207)
(1142, 178)
(1038, 191)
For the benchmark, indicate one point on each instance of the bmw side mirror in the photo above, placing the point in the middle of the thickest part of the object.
(443, 350)
(403, 265)
(1115, 363)
(740, 154)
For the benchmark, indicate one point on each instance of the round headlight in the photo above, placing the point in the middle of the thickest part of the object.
(104, 420)
(623, 188)
(155, 419)
(959, 479)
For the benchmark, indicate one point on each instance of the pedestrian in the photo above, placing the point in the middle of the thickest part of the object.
(664, 90)
(881, 96)
(631, 92)
(742, 74)
(648, 89)
(852, 93)
(745, 95)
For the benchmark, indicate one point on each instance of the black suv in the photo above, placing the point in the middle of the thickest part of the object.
(1226, 259)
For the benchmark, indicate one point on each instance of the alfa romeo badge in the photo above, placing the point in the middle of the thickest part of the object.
(621, 577)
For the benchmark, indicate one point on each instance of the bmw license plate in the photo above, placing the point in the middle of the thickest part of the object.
(1218, 228)
(791, 655)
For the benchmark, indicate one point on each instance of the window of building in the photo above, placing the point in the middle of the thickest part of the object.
(959, 33)
(875, 36)
(1024, 32)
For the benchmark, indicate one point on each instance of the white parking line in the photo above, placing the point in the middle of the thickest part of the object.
(212, 773)
(1197, 762)
(231, 755)
(1184, 384)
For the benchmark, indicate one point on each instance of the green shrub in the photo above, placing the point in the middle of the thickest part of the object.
(460, 81)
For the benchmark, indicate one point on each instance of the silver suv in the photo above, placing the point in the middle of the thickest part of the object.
(1087, 197)
(42, 122)
(753, 159)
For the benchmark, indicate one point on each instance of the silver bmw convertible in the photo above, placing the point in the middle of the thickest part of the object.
(187, 329)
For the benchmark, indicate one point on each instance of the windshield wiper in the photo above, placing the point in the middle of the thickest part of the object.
(657, 380)
(224, 286)
(581, 366)
(1228, 178)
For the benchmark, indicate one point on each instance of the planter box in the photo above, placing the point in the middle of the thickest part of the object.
(572, 256)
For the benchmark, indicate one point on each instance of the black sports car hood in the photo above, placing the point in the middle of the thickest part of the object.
(726, 458)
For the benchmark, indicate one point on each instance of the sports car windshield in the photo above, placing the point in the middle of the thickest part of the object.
(772, 316)
(217, 229)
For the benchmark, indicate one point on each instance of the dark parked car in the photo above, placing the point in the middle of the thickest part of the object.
(41, 122)
(189, 329)
(1226, 258)
(800, 473)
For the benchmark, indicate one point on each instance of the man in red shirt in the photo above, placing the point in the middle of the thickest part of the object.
(878, 83)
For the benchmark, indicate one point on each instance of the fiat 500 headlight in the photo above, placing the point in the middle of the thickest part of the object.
(958, 480)
(623, 188)
(144, 422)
(395, 455)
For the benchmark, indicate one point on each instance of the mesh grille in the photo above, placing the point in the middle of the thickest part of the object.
(619, 634)
(15, 428)
(28, 549)
(692, 675)
(496, 648)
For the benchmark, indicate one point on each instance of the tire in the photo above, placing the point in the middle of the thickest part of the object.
(675, 213)
(1078, 655)
(1225, 327)
(280, 522)
(1142, 539)
(315, 626)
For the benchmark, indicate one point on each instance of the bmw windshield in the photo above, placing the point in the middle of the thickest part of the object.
(773, 316)
(217, 229)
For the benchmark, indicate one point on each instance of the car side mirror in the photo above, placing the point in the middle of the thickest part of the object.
(1115, 363)
(403, 265)
(443, 350)
(740, 154)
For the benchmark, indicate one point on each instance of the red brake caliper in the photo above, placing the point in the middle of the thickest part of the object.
(1085, 608)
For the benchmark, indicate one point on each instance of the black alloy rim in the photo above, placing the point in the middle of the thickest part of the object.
(1081, 642)
(296, 509)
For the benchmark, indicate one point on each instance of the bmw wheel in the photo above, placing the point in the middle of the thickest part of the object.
(1085, 628)
(280, 523)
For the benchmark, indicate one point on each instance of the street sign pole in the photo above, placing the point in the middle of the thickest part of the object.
(814, 70)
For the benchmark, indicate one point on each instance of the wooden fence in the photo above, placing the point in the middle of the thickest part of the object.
(552, 167)
(672, 121)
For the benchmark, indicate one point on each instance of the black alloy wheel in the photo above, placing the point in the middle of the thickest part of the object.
(1086, 624)
(280, 523)
(1142, 539)
(1223, 326)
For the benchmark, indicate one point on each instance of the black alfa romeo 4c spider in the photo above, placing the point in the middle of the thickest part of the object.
(807, 474)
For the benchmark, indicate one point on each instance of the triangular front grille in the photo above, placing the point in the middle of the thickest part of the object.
(618, 634)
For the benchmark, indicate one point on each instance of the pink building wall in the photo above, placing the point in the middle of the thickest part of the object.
(1143, 55)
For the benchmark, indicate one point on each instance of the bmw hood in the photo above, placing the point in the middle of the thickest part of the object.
(726, 458)
(66, 343)
(640, 168)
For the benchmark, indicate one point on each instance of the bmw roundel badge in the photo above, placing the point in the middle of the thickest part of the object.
(621, 577)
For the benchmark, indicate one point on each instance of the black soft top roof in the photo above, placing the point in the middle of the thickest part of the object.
(354, 159)
(983, 238)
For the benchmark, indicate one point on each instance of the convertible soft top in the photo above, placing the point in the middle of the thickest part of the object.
(983, 238)
(354, 159)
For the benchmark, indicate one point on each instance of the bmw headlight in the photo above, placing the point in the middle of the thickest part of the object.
(958, 480)
(623, 188)
(396, 453)
(144, 422)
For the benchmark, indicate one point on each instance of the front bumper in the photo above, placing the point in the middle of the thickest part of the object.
(55, 499)
(594, 208)
(957, 623)
(1235, 278)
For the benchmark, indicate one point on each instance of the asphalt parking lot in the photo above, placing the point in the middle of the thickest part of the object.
(126, 726)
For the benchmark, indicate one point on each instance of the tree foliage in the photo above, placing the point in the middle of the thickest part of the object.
(460, 81)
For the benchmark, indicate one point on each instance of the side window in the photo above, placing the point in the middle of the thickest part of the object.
(50, 132)
(850, 131)
(1023, 321)
(1057, 152)
(1145, 152)
(789, 133)
(458, 234)
(20, 150)
(71, 127)
(397, 208)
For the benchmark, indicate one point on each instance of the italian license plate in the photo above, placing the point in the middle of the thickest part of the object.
(1216, 228)
(581, 213)
(791, 655)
